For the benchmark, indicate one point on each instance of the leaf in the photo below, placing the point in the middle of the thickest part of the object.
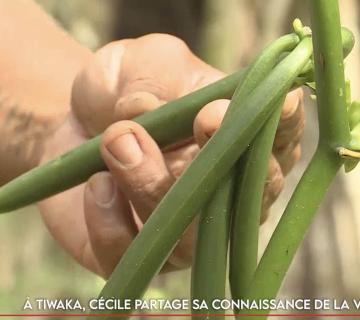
(311, 86)
(350, 165)
(354, 116)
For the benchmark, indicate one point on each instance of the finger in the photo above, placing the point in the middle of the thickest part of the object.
(273, 185)
(97, 88)
(135, 104)
(137, 165)
(205, 74)
(109, 221)
(209, 120)
(182, 255)
(292, 122)
(154, 71)
(151, 62)
(139, 168)
(177, 160)
(121, 69)
(206, 123)
(289, 157)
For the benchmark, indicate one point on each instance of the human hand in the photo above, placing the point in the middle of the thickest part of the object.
(97, 221)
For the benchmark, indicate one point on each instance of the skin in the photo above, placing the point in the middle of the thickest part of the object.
(96, 222)
(38, 63)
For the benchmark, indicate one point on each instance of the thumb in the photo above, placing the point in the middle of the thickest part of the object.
(137, 165)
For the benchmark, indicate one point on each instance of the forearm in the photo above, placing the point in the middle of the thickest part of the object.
(38, 62)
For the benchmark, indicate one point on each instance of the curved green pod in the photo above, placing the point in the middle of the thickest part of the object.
(208, 278)
(150, 249)
(251, 175)
(213, 231)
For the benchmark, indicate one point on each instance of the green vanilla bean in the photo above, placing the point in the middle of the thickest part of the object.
(334, 133)
(251, 175)
(251, 172)
(213, 232)
(208, 279)
(251, 179)
(168, 124)
(150, 249)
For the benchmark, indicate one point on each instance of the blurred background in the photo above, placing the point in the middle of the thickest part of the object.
(226, 36)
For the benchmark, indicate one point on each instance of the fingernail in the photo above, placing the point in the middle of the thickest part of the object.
(126, 150)
(135, 104)
(103, 190)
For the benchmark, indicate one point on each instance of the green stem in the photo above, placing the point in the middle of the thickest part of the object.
(329, 73)
(334, 132)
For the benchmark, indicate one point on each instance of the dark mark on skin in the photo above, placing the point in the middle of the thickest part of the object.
(24, 136)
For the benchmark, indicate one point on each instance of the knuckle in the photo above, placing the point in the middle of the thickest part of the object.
(209, 119)
(290, 131)
(178, 160)
(274, 183)
(95, 87)
(169, 40)
(288, 162)
(170, 44)
(152, 187)
(148, 84)
(292, 110)
(135, 104)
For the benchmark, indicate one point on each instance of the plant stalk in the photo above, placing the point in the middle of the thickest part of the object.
(329, 74)
(292, 227)
(334, 133)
